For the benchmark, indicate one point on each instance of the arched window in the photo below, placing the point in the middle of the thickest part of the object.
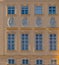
(52, 22)
(38, 22)
(11, 22)
(25, 22)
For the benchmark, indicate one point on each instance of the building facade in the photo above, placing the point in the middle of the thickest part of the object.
(29, 32)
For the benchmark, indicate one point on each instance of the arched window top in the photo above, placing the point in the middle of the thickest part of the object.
(11, 21)
(38, 21)
(25, 22)
(52, 22)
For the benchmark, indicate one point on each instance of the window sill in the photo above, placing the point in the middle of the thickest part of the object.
(52, 14)
(11, 64)
(24, 50)
(38, 50)
(38, 14)
(11, 15)
(25, 14)
(11, 50)
(53, 50)
(24, 64)
(39, 64)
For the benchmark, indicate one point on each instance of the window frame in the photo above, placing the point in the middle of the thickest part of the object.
(39, 46)
(11, 61)
(52, 61)
(24, 10)
(9, 11)
(53, 41)
(38, 62)
(10, 43)
(51, 10)
(25, 61)
(24, 46)
(38, 8)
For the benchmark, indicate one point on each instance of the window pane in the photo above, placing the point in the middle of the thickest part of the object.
(38, 41)
(24, 10)
(52, 10)
(52, 41)
(25, 61)
(11, 10)
(24, 41)
(38, 10)
(53, 62)
(39, 62)
(11, 41)
(11, 61)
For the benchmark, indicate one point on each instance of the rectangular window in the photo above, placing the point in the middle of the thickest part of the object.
(11, 61)
(38, 9)
(24, 41)
(52, 9)
(24, 10)
(11, 41)
(38, 41)
(52, 41)
(11, 10)
(25, 61)
(53, 62)
(39, 62)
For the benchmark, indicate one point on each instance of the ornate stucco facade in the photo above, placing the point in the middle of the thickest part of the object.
(31, 54)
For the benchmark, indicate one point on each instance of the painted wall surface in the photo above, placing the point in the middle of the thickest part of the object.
(46, 55)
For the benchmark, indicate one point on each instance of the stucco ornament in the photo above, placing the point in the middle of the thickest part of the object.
(25, 22)
(11, 22)
(52, 22)
(38, 21)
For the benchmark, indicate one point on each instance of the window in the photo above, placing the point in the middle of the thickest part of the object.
(53, 62)
(52, 41)
(25, 22)
(24, 10)
(24, 41)
(11, 61)
(25, 61)
(52, 22)
(39, 62)
(52, 9)
(38, 41)
(38, 9)
(38, 21)
(11, 10)
(11, 41)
